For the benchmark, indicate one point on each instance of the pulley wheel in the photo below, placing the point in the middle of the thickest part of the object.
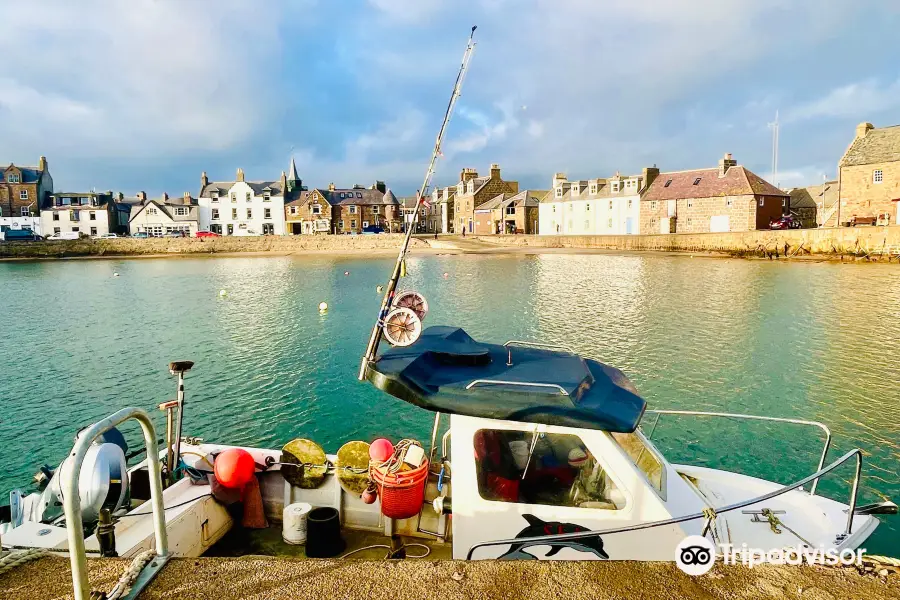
(353, 467)
(402, 327)
(412, 300)
(309, 454)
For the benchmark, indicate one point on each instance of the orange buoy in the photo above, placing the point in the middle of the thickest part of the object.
(234, 468)
(380, 450)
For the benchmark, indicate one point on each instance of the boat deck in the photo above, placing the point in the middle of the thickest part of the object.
(261, 578)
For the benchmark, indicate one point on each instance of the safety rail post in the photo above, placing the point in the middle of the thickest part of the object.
(72, 499)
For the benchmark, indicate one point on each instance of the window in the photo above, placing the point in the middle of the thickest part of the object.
(93, 231)
(13, 178)
(375, 210)
(181, 211)
(151, 211)
(729, 201)
(294, 210)
(215, 213)
(353, 210)
(877, 176)
(233, 197)
(471, 187)
(352, 223)
(267, 213)
(74, 215)
(249, 213)
(615, 186)
(457, 208)
(25, 211)
(75, 230)
(359, 194)
(587, 207)
(214, 196)
(762, 201)
(247, 197)
(783, 202)
(55, 216)
(267, 197)
(459, 189)
(510, 210)
(644, 457)
(689, 222)
(653, 205)
(92, 215)
(690, 203)
(610, 205)
(95, 202)
(233, 213)
(23, 195)
(629, 204)
(83, 201)
(561, 471)
(587, 225)
(697, 181)
(609, 224)
(559, 192)
(56, 230)
(230, 229)
(554, 209)
(365, 224)
(653, 223)
(316, 209)
(574, 190)
(340, 224)
(668, 183)
(342, 195)
(593, 188)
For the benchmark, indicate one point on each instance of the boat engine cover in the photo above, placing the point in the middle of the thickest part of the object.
(102, 483)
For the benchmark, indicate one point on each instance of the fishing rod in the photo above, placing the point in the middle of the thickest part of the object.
(386, 302)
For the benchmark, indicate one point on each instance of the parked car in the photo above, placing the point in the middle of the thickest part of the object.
(373, 229)
(784, 222)
(141, 235)
(208, 234)
(175, 234)
(106, 236)
(66, 235)
(20, 235)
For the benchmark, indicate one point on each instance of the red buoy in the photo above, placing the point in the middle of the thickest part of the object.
(380, 450)
(234, 468)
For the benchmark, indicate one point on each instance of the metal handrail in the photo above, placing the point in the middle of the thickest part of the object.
(508, 345)
(699, 413)
(699, 515)
(561, 389)
(72, 499)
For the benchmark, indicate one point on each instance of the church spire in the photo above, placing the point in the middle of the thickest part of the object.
(293, 181)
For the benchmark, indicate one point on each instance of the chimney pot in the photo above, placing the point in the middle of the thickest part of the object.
(863, 128)
(142, 196)
(42, 163)
(240, 174)
(331, 187)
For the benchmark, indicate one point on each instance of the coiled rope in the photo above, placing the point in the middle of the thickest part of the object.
(123, 586)
(20, 557)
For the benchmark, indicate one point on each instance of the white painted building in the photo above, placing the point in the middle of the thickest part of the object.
(165, 216)
(84, 213)
(592, 207)
(243, 207)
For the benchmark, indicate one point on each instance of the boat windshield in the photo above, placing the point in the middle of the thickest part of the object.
(644, 456)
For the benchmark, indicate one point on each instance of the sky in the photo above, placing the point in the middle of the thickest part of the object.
(147, 94)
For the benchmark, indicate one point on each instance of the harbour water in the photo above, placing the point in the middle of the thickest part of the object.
(814, 341)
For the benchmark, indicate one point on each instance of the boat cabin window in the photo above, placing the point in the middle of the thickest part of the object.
(558, 471)
(643, 457)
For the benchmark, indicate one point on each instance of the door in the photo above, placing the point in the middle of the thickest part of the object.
(629, 225)
(671, 207)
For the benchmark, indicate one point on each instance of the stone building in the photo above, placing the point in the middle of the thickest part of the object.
(808, 203)
(727, 198)
(869, 175)
(307, 213)
(23, 193)
(604, 206)
(84, 213)
(357, 208)
(448, 209)
(509, 213)
(165, 216)
(472, 190)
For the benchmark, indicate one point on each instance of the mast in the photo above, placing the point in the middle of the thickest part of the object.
(391, 287)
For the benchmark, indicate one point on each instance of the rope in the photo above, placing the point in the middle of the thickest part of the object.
(123, 586)
(390, 554)
(395, 462)
(20, 557)
(881, 560)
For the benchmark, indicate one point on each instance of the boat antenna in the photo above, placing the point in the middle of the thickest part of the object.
(386, 302)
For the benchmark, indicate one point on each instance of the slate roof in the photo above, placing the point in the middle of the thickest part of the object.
(168, 207)
(258, 187)
(29, 174)
(809, 197)
(525, 197)
(877, 146)
(300, 199)
(604, 190)
(738, 181)
(360, 197)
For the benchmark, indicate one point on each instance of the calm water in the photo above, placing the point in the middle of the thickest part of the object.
(816, 341)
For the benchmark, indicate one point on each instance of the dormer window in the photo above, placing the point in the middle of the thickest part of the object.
(342, 195)
(574, 190)
(459, 188)
(559, 192)
(214, 196)
(593, 188)
(359, 194)
(267, 196)
(13, 178)
(697, 181)
(471, 187)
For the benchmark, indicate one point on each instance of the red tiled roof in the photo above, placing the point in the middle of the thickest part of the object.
(738, 181)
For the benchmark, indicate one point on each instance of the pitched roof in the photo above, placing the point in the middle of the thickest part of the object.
(103, 198)
(359, 196)
(29, 174)
(168, 207)
(809, 197)
(299, 199)
(706, 183)
(258, 187)
(876, 146)
(604, 190)
(525, 197)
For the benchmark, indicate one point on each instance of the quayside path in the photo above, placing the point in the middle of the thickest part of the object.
(262, 577)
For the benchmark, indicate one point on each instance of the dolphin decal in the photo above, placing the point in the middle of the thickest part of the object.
(537, 527)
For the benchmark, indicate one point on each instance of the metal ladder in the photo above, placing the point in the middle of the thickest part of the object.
(72, 502)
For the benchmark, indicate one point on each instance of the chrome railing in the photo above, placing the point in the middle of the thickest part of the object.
(72, 499)
(554, 386)
(508, 345)
(555, 539)
(697, 413)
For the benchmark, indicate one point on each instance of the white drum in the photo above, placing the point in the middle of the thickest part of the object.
(293, 529)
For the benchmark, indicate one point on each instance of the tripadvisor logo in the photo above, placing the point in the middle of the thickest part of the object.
(695, 555)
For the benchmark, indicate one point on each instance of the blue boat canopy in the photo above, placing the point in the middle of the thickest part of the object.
(447, 371)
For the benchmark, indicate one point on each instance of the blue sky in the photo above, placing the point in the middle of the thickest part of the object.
(146, 94)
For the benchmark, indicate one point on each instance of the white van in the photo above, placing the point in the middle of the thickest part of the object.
(66, 235)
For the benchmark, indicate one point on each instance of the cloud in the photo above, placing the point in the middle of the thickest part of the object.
(852, 100)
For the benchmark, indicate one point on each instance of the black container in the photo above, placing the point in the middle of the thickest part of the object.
(323, 533)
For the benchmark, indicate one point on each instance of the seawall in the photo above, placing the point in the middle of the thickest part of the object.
(222, 245)
(857, 241)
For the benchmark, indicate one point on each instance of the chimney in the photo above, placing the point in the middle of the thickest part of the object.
(187, 198)
(495, 171)
(142, 196)
(726, 163)
(558, 179)
(165, 197)
(240, 174)
(283, 181)
(863, 128)
(649, 175)
(466, 174)
(204, 180)
(120, 196)
(331, 187)
(379, 185)
(42, 163)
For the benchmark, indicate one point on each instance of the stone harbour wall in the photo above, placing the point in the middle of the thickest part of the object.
(225, 244)
(845, 240)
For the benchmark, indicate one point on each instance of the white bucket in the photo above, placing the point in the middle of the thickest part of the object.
(519, 451)
(293, 529)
